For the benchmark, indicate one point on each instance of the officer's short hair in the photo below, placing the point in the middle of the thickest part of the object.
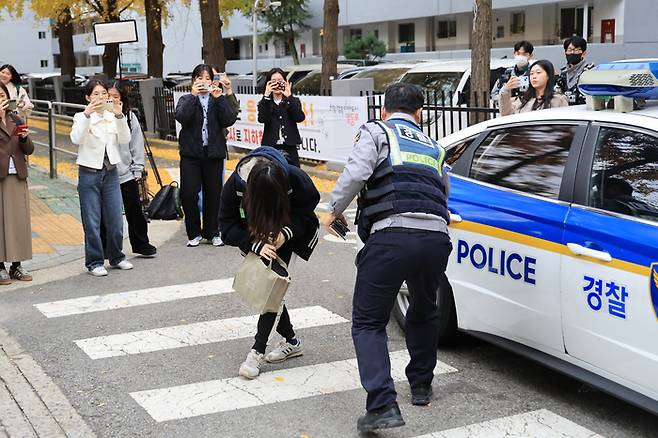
(577, 42)
(407, 98)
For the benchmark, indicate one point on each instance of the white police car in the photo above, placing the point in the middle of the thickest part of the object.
(555, 243)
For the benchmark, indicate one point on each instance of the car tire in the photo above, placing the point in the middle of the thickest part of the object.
(447, 312)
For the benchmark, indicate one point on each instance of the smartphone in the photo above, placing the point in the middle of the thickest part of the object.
(22, 128)
(12, 105)
(108, 105)
(204, 87)
(217, 77)
(340, 228)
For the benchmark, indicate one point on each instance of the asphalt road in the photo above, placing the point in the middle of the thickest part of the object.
(293, 399)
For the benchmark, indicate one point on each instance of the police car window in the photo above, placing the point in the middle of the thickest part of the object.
(455, 151)
(530, 159)
(625, 173)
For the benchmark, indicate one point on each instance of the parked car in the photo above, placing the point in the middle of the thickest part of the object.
(384, 75)
(310, 84)
(554, 224)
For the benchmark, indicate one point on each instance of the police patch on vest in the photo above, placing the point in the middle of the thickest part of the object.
(414, 135)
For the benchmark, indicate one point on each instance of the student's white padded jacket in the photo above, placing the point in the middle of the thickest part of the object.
(98, 134)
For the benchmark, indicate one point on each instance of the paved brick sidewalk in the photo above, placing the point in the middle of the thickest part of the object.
(57, 234)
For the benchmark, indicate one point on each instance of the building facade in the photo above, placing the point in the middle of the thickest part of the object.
(422, 29)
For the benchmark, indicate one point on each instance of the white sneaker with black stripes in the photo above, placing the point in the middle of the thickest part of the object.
(284, 350)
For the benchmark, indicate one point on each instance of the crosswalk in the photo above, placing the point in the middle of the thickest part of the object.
(288, 383)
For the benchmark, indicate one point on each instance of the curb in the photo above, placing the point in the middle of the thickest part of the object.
(31, 404)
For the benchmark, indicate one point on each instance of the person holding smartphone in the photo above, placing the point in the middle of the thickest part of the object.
(15, 228)
(539, 95)
(98, 131)
(19, 100)
(280, 112)
(203, 114)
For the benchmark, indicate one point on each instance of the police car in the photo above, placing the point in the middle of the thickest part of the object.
(555, 243)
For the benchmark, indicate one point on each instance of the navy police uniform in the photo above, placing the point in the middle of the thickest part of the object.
(398, 173)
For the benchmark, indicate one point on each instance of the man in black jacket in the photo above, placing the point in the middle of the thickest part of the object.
(203, 115)
(280, 111)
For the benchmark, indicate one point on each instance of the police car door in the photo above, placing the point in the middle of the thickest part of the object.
(505, 264)
(609, 272)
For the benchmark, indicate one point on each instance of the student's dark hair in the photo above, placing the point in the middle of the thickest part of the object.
(200, 69)
(270, 73)
(530, 93)
(89, 88)
(576, 41)
(122, 87)
(403, 97)
(266, 201)
(525, 45)
(15, 77)
(4, 88)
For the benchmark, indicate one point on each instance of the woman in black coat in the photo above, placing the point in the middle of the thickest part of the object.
(268, 207)
(280, 111)
(204, 114)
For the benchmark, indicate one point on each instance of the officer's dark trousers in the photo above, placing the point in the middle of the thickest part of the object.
(388, 258)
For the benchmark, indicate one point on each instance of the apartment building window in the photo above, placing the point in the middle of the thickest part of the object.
(44, 63)
(447, 29)
(42, 35)
(355, 33)
(500, 32)
(518, 22)
(571, 22)
(407, 33)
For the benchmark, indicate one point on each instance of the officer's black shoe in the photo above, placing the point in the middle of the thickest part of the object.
(383, 418)
(421, 395)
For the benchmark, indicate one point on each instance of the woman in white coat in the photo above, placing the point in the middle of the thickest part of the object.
(12, 80)
(98, 131)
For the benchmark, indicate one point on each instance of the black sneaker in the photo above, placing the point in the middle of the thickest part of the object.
(384, 418)
(147, 251)
(421, 395)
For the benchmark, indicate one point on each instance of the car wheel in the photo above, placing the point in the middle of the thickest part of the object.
(447, 312)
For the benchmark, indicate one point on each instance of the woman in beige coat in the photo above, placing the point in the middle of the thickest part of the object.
(12, 80)
(15, 229)
(538, 96)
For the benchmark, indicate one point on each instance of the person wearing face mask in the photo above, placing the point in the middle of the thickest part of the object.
(523, 56)
(575, 51)
(540, 94)
(203, 115)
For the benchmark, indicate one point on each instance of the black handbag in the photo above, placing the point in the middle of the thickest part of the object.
(166, 204)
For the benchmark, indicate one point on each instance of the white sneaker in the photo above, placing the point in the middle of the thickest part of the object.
(98, 271)
(284, 350)
(250, 368)
(194, 242)
(124, 265)
(217, 241)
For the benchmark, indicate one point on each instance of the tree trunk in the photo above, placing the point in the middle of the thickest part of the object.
(65, 34)
(329, 45)
(480, 58)
(293, 48)
(111, 54)
(211, 28)
(155, 45)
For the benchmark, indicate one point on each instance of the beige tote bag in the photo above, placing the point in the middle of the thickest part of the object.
(261, 287)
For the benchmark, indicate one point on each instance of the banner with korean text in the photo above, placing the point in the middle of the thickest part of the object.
(327, 133)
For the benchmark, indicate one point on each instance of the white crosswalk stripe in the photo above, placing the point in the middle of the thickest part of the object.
(99, 303)
(206, 332)
(536, 424)
(234, 393)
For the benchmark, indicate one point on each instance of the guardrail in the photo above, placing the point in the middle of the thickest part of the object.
(55, 111)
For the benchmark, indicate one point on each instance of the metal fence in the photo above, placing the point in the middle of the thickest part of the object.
(444, 113)
(54, 111)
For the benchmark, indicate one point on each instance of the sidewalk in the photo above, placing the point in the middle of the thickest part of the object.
(57, 234)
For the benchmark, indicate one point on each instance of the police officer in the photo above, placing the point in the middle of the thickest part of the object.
(523, 55)
(402, 217)
(575, 51)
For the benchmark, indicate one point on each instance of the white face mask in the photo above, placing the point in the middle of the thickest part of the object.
(521, 61)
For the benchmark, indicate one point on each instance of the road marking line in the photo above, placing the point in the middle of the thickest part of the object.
(235, 393)
(538, 424)
(121, 300)
(187, 335)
